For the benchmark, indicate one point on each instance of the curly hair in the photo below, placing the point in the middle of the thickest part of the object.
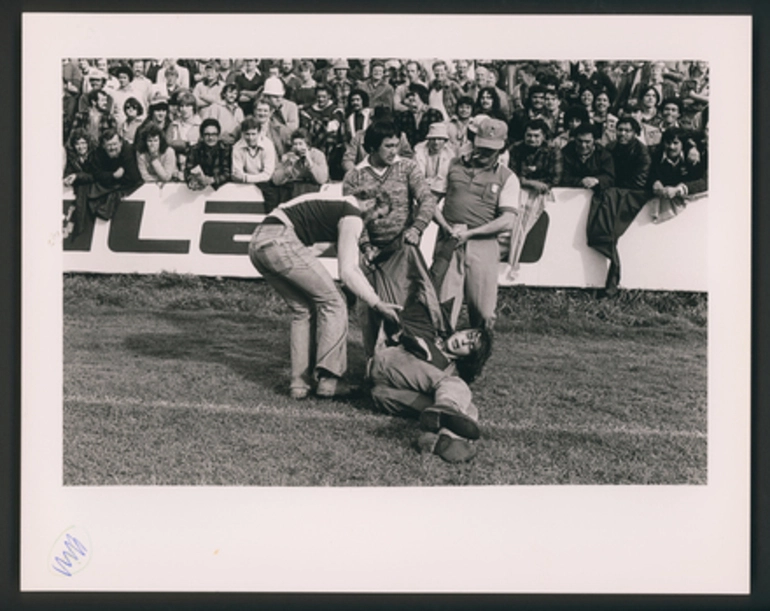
(469, 367)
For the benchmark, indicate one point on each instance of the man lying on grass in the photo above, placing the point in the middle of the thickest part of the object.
(424, 367)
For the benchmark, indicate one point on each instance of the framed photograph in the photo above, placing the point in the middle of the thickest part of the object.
(166, 442)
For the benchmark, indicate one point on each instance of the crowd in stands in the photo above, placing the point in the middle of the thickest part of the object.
(289, 126)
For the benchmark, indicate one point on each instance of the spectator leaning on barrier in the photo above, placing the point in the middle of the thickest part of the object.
(78, 174)
(613, 209)
(433, 158)
(481, 202)
(155, 158)
(254, 161)
(302, 170)
(678, 172)
(209, 162)
(585, 163)
(228, 114)
(115, 172)
(538, 166)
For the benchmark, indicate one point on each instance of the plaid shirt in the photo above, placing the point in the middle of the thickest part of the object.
(215, 161)
(543, 163)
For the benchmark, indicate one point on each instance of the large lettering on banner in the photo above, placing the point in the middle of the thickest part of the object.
(173, 229)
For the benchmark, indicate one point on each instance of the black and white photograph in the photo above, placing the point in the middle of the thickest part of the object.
(342, 287)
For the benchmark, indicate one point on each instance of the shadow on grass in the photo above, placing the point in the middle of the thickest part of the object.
(254, 347)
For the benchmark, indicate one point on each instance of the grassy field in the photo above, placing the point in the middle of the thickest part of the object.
(177, 380)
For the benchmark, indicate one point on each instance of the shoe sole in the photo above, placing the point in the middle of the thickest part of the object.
(433, 419)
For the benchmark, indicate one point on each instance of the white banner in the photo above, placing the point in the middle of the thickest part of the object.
(173, 229)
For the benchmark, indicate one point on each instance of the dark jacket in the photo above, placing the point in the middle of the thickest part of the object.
(632, 164)
(599, 164)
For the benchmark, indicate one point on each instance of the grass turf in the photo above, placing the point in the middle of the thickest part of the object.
(177, 380)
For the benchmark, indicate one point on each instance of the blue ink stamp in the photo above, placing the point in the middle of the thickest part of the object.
(71, 553)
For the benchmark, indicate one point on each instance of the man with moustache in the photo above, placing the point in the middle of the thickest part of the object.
(482, 201)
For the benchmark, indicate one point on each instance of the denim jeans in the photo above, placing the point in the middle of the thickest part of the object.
(319, 323)
(404, 383)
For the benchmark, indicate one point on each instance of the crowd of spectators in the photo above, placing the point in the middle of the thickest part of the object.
(289, 126)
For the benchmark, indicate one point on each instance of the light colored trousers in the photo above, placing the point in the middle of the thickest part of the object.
(405, 384)
(319, 322)
(468, 273)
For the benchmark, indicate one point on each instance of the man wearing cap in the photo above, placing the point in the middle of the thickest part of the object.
(433, 156)
(340, 85)
(481, 202)
(285, 112)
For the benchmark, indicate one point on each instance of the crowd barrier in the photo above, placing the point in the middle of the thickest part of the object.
(173, 229)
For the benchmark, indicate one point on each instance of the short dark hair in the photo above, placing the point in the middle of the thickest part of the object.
(673, 133)
(536, 88)
(132, 102)
(377, 132)
(94, 94)
(209, 122)
(124, 70)
(537, 124)
(363, 94)
(300, 134)
(148, 132)
(249, 123)
(464, 99)
(421, 91)
(469, 367)
(229, 87)
(108, 134)
(322, 87)
(80, 133)
(676, 101)
(632, 122)
(644, 91)
(585, 128)
(576, 112)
